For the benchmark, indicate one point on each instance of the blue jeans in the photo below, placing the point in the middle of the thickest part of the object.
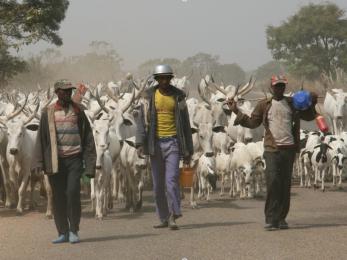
(165, 172)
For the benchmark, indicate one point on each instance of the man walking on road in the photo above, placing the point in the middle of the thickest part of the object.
(163, 132)
(64, 149)
(281, 141)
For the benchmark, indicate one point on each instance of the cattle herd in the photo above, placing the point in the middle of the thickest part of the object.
(222, 151)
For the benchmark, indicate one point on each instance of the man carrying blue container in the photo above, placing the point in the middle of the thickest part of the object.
(280, 116)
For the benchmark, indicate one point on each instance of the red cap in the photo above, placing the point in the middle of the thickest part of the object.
(278, 79)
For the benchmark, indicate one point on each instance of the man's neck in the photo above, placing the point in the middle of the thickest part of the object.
(165, 90)
(279, 98)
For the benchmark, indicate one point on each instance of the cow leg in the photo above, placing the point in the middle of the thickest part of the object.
(334, 174)
(6, 185)
(13, 188)
(340, 177)
(49, 193)
(139, 201)
(92, 193)
(323, 177)
(21, 193)
(222, 184)
(193, 203)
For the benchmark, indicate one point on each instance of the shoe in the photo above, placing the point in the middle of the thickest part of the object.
(283, 224)
(61, 239)
(164, 224)
(73, 238)
(172, 223)
(177, 216)
(270, 227)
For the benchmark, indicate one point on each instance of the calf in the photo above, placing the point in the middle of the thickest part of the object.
(320, 160)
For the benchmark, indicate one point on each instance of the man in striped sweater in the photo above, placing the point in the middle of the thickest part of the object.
(64, 149)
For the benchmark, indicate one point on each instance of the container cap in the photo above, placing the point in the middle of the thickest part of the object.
(302, 100)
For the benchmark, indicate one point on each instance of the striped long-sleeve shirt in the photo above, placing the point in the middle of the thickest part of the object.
(68, 137)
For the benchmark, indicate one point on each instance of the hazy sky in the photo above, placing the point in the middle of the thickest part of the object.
(146, 29)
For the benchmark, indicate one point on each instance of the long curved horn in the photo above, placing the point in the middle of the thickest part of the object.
(132, 82)
(33, 115)
(16, 113)
(142, 88)
(247, 89)
(126, 106)
(100, 102)
(111, 95)
(204, 98)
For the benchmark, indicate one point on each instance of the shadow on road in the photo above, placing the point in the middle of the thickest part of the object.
(213, 224)
(220, 203)
(308, 226)
(115, 237)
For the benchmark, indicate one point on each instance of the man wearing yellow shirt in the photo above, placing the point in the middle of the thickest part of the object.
(164, 133)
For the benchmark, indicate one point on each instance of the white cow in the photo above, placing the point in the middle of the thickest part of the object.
(242, 168)
(21, 140)
(335, 108)
(320, 160)
(134, 170)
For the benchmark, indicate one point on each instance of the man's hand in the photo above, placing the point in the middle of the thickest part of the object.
(232, 104)
(314, 98)
(186, 160)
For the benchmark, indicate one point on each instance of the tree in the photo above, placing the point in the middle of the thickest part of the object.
(312, 41)
(26, 22)
(230, 73)
(265, 71)
(9, 66)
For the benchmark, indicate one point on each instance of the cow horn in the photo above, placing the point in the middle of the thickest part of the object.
(111, 95)
(33, 115)
(142, 88)
(100, 102)
(16, 113)
(247, 88)
(204, 98)
(126, 106)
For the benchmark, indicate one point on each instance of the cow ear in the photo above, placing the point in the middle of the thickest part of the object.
(131, 143)
(32, 127)
(218, 129)
(329, 147)
(127, 122)
(99, 116)
(232, 149)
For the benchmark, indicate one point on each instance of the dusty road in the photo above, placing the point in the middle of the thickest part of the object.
(220, 229)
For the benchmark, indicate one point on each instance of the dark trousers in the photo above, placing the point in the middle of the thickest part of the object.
(279, 169)
(66, 194)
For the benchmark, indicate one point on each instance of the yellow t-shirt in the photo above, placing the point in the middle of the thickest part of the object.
(165, 106)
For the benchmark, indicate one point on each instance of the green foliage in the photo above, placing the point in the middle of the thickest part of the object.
(265, 71)
(312, 41)
(230, 73)
(28, 21)
(9, 66)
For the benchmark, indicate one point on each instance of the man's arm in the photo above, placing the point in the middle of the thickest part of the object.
(140, 125)
(311, 113)
(253, 121)
(37, 160)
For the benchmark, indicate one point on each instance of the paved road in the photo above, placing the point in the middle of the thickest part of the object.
(220, 229)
